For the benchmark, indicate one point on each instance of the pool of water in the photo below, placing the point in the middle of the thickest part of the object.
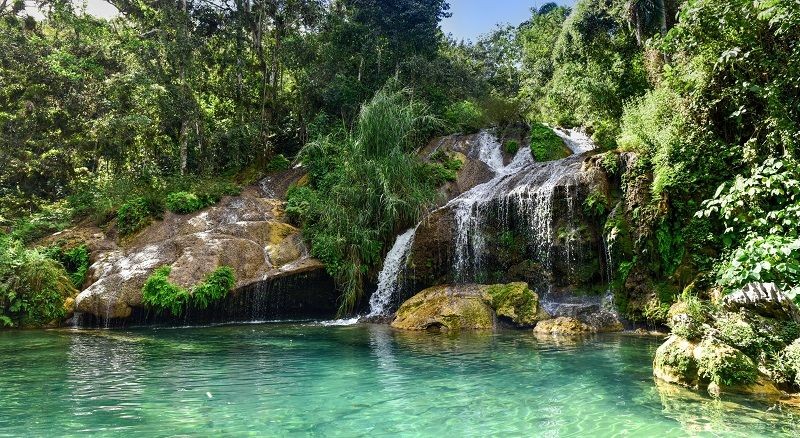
(364, 380)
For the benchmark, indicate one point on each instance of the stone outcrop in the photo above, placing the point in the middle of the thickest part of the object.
(513, 251)
(248, 232)
(734, 348)
(563, 326)
(764, 299)
(470, 307)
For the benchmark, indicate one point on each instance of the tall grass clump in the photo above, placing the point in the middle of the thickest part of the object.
(365, 186)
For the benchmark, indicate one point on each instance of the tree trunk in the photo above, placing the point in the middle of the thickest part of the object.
(184, 143)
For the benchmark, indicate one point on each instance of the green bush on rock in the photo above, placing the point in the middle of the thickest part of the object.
(546, 145)
(133, 216)
(788, 363)
(724, 365)
(161, 294)
(183, 202)
(687, 317)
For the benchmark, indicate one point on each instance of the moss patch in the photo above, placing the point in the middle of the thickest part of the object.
(546, 145)
(515, 301)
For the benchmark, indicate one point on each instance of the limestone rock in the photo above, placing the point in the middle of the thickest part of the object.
(249, 233)
(517, 302)
(675, 362)
(563, 326)
(470, 306)
(450, 308)
(764, 299)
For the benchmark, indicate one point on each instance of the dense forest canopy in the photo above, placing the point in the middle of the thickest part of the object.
(105, 119)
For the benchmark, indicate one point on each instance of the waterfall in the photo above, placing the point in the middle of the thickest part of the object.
(389, 277)
(523, 189)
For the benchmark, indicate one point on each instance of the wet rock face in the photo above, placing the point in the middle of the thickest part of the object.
(563, 248)
(470, 307)
(248, 232)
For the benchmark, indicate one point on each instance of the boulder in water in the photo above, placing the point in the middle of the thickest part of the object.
(445, 307)
(563, 325)
(516, 302)
(470, 306)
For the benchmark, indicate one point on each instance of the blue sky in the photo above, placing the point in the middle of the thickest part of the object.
(472, 18)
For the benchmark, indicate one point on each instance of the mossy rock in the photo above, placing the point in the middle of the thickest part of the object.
(470, 307)
(447, 308)
(563, 326)
(517, 302)
(674, 362)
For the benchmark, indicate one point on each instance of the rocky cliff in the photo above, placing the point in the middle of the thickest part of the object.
(275, 275)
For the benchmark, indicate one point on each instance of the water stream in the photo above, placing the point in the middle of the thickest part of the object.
(523, 188)
(389, 278)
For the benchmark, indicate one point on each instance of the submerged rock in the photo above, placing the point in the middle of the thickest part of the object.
(470, 306)
(249, 233)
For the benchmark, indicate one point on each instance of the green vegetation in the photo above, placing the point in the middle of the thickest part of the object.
(160, 294)
(546, 145)
(183, 202)
(725, 366)
(75, 261)
(277, 163)
(511, 147)
(33, 286)
(365, 185)
(464, 116)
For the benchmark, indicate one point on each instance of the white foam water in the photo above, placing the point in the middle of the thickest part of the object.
(524, 188)
(389, 277)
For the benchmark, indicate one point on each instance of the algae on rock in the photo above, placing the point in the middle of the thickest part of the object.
(470, 306)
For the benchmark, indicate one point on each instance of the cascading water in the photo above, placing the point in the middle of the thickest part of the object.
(523, 189)
(389, 277)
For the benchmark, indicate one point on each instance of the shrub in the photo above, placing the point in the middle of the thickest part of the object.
(789, 362)
(33, 286)
(183, 202)
(215, 287)
(596, 204)
(445, 167)
(363, 187)
(724, 365)
(160, 294)
(278, 163)
(133, 216)
(75, 261)
(687, 317)
(512, 146)
(546, 145)
(464, 116)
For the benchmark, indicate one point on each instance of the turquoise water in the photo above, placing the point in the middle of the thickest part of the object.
(367, 380)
